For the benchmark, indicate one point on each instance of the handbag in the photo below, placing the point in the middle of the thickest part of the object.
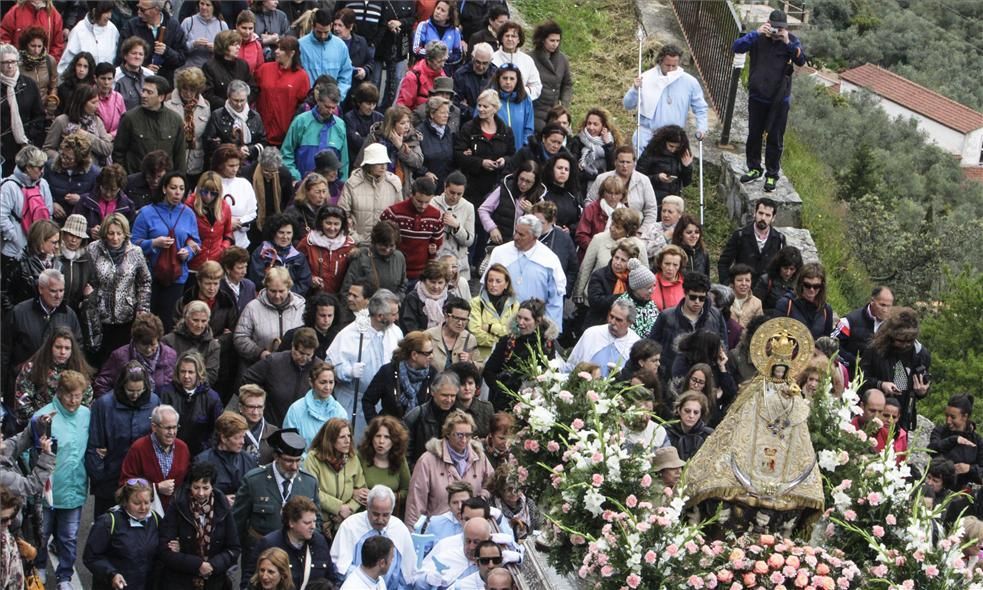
(168, 267)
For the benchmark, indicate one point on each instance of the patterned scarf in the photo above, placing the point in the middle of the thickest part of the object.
(189, 123)
(16, 124)
(591, 156)
(410, 382)
(432, 306)
(203, 515)
(259, 185)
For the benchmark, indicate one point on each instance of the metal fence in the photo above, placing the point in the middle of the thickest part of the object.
(710, 28)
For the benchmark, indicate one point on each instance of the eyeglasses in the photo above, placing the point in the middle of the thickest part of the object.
(424, 352)
(257, 407)
(459, 318)
(8, 62)
(463, 435)
(813, 286)
(166, 428)
(480, 63)
(697, 298)
(137, 481)
(490, 560)
(207, 192)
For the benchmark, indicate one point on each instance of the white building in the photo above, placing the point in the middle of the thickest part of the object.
(952, 126)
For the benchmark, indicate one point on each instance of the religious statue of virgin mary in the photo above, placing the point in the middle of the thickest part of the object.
(758, 467)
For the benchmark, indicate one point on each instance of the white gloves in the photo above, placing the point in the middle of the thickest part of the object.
(358, 369)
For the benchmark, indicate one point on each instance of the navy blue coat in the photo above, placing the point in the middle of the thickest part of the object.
(62, 183)
(198, 414)
(438, 152)
(117, 547)
(230, 468)
(180, 568)
(322, 568)
(114, 424)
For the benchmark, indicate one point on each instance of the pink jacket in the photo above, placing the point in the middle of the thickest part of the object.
(416, 85)
(435, 471)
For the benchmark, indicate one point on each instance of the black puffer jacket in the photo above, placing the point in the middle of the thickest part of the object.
(471, 147)
(652, 162)
(688, 443)
(945, 443)
(218, 73)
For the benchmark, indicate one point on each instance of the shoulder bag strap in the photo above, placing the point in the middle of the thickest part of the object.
(307, 568)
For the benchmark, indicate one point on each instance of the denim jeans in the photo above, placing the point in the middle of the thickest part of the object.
(64, 524)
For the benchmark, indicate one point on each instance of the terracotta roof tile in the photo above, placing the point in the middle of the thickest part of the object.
(915, 97)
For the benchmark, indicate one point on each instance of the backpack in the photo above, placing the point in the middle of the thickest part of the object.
(34, 207)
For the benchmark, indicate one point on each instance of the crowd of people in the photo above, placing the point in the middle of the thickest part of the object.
(270, 272)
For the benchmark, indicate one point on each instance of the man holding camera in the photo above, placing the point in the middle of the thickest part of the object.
(773, 51)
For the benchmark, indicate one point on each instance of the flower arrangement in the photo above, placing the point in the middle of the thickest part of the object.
(619, 526)
(766, 561)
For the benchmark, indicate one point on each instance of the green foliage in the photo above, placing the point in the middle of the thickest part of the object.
(932, 43)
(954, 335)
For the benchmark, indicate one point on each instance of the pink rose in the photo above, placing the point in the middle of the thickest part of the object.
(631, 501)
(891, 520)
(801, 580)
(776, 561)
(523, 474)
(725, 576)
(650, 557)
(531, 445)
(736, 555)
(767, 540)
(552, 446)
(577, 424)
(597, 479)
(749, 579)
(760, 567)
(694, 582)
(607, 571)
(646, 481)
(822, 569)
(633, 581)
(877, 531)
(792, 561)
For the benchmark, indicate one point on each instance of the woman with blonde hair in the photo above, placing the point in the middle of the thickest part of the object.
(312, 194)
(331, 459)
(227, 161)
(214, 216)
(403, 383)
(198, 405)
(402, 143)
(194, 111)
(492, 309)
(231, 464)
(267, 318)
(272, 571)
(455, 456)
(192, 333)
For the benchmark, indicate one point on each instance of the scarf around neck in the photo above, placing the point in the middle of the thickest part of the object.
(410, 382)
(432, 306)
(460, 460)
(609, 211)
(239, 122)
(16, 124)
(259, 185)
(317, 238)
(591, 156)
(203, 516)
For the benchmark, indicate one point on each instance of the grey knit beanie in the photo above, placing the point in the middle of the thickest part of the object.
(639, 276)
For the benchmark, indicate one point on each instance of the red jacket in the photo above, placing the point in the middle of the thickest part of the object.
(280, 91)
(415, 89)
(417, 232)
(665, 294)
(141, 461)
(330, 265)
(215, 237)
(592, 222)
(252, 54)
(24, 16)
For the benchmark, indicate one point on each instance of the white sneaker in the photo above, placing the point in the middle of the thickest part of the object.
(65, 585)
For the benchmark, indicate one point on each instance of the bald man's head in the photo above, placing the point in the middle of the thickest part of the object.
(873, 404)
(476, 530)
(499, 579)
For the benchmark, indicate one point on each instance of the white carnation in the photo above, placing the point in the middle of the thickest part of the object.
(593, 501)
(828, 460)
(541, 419)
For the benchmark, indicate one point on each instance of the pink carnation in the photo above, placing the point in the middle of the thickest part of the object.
(577, 539)
(646, 480)
(650, 557)
(552, 446)
(777, 577)
(850, 515)
(874, 498)
(879, 570)
(891, 520)
(694, 582)
(577, 424)
(597, 479)
(931, 571)
(877, 531)
(631, 501)
(566, 507)
(531, 445)
(607, 571)
(597, 458)
(633, 581)
(585, 376)
(672, 550)
(592, 396)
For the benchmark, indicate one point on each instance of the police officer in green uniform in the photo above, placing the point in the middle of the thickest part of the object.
(265, 490)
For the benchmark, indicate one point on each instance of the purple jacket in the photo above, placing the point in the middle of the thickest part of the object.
(162, 374)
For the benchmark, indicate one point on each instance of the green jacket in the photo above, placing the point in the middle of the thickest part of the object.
(259, 502)
(142, 131)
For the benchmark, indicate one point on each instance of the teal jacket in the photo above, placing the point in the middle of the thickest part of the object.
(520, 116)
(69, 481)
(307, 136)
(308, 414)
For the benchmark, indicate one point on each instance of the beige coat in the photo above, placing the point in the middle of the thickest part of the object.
(364, 199)
(466, 342)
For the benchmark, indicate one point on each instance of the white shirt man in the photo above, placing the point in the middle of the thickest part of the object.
(376, 520)
(607, 346)
(453, 558)
(377, 556)
(535, 270)
(361, 348)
